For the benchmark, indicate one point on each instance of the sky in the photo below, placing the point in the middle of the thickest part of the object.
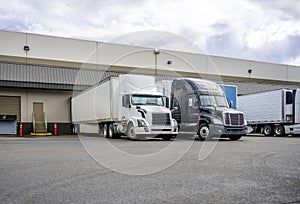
(259, 30)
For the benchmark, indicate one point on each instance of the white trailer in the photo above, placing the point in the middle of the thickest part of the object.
(272, 112)
(126, 105)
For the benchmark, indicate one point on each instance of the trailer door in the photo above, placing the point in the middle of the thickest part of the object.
(297, 106)
(288, 105)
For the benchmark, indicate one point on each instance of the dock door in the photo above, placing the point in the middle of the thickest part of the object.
(10, 114)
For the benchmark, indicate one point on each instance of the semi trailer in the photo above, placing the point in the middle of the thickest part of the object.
(127, 105)
(200, 108)
(274, 112)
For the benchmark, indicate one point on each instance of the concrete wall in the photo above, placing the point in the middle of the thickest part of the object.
(182, 62)
(56, 103)
(62, 49)
(12, 44)
(81, 51)
(127, 56)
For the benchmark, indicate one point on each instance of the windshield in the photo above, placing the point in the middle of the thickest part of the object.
(147, 100)
(208, 100)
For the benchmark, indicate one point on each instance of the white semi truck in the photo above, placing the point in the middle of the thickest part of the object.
(272, 112)
(126, 105)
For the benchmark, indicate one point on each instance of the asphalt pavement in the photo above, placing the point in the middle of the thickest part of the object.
(62, 170)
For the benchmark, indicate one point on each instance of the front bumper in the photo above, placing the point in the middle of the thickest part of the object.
(225, 131)
(156, 132)
(292, 129)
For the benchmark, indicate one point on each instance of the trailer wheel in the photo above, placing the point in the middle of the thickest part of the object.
(267, 130)
(279, 130)
(203, 132)
(131, 131)
(105, 131)
(111, 132)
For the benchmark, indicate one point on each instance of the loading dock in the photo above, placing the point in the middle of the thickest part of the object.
(54, 68)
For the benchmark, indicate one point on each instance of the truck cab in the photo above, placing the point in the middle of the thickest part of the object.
(145, 115)
(200, 108)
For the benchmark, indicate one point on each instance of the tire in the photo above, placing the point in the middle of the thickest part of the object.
(268, 130)
(130, 131)
(111, 132)
(105, 131)
(203, 132)
(235, 137)
(279, 130)
(76, 129)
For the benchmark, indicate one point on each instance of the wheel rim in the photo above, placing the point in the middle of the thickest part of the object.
(105, 130)
(279, 130)
(267, 130)
(111, 132)
(131, 131)
(204, 131)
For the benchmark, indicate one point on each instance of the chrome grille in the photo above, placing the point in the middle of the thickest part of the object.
(234, 119)
(161, 119)
(227, 118)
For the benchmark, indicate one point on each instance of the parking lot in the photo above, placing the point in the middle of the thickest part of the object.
(61, 170)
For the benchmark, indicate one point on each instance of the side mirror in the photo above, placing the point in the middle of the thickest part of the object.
(231, 104)
(215, 107)
(126, 101)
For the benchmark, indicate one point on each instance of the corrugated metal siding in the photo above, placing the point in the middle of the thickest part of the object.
(37, 76)
(64, 78)
(245, 88)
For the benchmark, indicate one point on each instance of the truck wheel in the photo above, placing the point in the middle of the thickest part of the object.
(203, 132)
(130, 131)
(111, 133)
(279, 130)
(235, 137)
(105, 131)
(267, 130)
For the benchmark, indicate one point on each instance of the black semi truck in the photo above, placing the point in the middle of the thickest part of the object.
(200, 108)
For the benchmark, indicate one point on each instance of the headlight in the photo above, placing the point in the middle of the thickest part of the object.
(141, 123)
(216, 121)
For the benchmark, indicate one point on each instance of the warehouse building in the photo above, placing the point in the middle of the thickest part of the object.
(39, 74)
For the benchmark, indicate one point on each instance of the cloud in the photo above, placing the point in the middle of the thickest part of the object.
(257, 30)
(294, 61)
